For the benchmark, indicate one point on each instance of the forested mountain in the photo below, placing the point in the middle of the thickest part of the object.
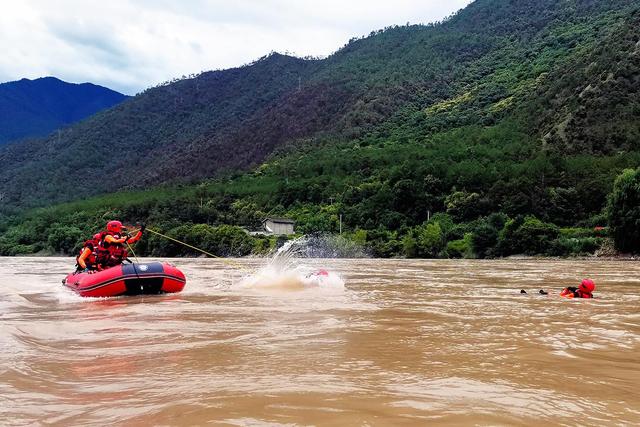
(508, 120)
(475, 68)
(32, 108)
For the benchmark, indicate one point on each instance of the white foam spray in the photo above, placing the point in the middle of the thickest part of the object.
(287, 271)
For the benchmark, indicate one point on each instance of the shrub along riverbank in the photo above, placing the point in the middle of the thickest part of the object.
(210, 217)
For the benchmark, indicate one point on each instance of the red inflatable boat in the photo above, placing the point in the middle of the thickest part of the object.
(128, 279)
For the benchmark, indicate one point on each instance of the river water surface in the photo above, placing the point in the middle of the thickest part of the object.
(405, 343)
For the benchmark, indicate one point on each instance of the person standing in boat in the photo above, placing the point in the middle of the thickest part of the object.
(112, 249)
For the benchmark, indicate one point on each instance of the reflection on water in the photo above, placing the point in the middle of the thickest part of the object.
(404, 343)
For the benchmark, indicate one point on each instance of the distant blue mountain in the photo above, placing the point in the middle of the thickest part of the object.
(31, 108)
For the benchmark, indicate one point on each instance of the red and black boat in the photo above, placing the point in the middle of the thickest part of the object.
(150, 278)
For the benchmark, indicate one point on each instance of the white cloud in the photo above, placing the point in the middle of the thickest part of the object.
(132, 44)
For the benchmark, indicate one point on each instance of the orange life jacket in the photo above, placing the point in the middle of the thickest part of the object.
(91, 260)
(111, 254)
(571, 292)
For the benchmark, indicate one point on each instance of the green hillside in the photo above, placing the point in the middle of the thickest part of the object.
(495, 132)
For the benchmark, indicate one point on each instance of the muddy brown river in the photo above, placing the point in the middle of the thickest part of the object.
(405, 343)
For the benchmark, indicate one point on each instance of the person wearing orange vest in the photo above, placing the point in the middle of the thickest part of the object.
(112, 249)
(585, 290)
(86, 261)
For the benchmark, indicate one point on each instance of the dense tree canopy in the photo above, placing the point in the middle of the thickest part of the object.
(560, 69)
(624, 211)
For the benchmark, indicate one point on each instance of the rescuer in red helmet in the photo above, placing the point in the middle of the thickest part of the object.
(112, 249)
(585, 290)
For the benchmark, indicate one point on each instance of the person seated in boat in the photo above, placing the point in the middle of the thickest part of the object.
(585, 290)
(87, 259)
(112, 249)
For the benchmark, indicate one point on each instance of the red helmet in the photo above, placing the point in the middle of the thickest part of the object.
(588, 286)
(96, 237)
(114, 226)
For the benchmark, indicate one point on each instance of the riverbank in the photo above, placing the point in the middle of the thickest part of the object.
(493, 237)
(607, 257)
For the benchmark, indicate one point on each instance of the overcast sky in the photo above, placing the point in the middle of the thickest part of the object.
(129, 45)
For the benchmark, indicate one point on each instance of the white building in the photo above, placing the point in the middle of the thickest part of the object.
(278, 226)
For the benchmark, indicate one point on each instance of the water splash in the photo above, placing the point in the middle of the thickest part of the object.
(287, 271)
(323, 246)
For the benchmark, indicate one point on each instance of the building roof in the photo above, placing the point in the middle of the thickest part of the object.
(279, 220)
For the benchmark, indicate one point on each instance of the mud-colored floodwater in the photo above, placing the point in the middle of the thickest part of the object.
(405, 343)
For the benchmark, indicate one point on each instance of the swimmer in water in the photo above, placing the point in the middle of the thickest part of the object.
(585, 290)
(541, 292)
(318, 273)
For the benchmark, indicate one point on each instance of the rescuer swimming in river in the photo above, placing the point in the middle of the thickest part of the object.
(585, 290)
